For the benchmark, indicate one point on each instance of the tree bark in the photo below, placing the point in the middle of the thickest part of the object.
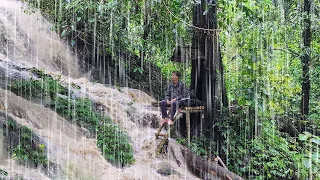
(306, 60)
(146, 31)
(207, 76)
(201, 167)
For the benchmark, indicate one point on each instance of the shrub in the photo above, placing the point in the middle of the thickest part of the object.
(28, 149)
(270, 155)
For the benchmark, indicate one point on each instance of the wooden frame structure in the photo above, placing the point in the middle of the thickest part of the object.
(188, 111)
(185, 110)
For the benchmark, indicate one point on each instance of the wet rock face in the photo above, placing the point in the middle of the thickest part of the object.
(4, 175)
(9, 72)
(166, 169)
(146, 119)
(28, 39)
(2, 150)
(154, 120)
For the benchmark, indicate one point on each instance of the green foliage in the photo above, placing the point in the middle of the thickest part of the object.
(114, 144)
(201, 145)
(79, 111)
(309, 156)
(268, 156)
(3, 172)
(262, 48)
(44, 86)
(138, 69)
(117, 86)
(271, 154)
(139, 28)
(46, 7)
(112, 141)
(28, 149)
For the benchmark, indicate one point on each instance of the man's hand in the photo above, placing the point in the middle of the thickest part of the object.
(168, 102)
(173, 100)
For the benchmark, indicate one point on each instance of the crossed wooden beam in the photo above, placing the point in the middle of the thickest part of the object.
(162, 147)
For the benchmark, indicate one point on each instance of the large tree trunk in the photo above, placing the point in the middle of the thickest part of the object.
(306, 60)
(207, 72)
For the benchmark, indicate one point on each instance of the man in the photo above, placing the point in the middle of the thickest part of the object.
(175, 92)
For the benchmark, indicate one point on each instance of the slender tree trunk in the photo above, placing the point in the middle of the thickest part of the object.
(150, 79)
(306, 60)
(146, 31)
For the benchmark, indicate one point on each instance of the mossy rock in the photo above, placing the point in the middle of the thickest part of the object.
(25, 146)
(3, 174)
(166, 170)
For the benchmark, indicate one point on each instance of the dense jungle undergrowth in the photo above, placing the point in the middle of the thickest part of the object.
(271, 155)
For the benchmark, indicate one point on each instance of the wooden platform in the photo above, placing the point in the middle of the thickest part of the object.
(201, 108)
(156, 104)
(184, 110)
(188, 111)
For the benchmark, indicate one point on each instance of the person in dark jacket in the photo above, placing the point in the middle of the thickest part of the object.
(175, 92)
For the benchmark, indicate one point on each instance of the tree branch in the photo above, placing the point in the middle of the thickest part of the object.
(288, 51)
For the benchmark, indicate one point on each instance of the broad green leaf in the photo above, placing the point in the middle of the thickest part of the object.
(306, 162)
(63, 33)
(73, 42)
(315, 140)
(302, 137)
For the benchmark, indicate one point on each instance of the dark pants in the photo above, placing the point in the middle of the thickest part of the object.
(173, 108)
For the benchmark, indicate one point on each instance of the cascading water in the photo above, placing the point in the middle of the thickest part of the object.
(29, 41)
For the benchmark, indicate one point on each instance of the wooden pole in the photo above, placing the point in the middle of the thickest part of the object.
(188, 127)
